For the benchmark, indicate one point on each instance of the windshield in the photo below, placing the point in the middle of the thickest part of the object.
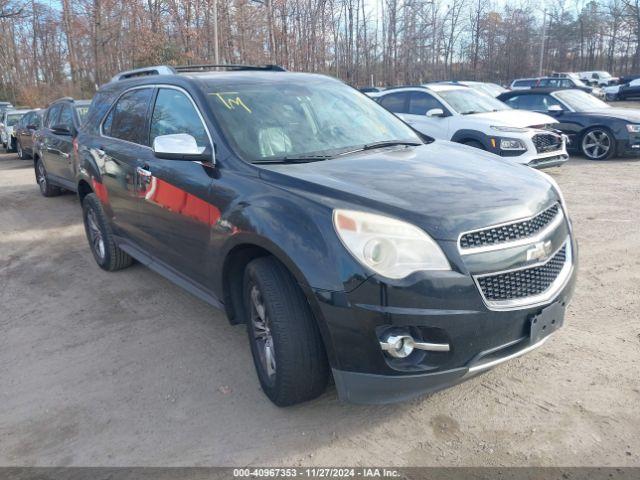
(580, 101)
(604, 74)
(82, 110)
(466, 101)
(13, 118)
(301, 118)
(489, 88)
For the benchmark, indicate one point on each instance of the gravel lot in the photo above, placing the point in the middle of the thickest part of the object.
(125, 369)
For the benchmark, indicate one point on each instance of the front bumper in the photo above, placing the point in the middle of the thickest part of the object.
(442, 307)
(531, 156)
(367, 388)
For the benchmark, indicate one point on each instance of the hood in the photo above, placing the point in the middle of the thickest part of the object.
(627, 114)
(443, 187)
(512, 118)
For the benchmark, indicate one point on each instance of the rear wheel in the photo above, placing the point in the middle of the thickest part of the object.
(106, 252)
(21, 154)
(598, 144)
(46, 188)
(285, 341)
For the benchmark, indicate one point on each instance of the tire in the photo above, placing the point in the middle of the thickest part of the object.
(598, 143)
(106, 252)
(21, 154)
(46, 188)
(286, 345)
(474, 144)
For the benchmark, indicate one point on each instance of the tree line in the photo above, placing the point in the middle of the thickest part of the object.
(70, 47)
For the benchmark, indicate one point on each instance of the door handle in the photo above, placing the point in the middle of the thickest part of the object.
(143, 172)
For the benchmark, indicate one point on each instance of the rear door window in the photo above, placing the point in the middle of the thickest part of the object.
(66, 117)
(52, 115)
(395, 102)
(174, 113)
(128, 118)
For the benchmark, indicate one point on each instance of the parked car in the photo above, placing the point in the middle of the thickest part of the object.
(600, 78)
(568, 82)
(7, 124)
(464, 115)
(24, 131)
(492, 89)
(523, 83)
(4, 106)
(369, 90)
(292, 202)
(594, 128)
(53, 145)
(629, 90)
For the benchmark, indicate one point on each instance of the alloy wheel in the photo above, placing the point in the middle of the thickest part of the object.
(596, 144)
(95, 234)
(261, 330)
(42, 178)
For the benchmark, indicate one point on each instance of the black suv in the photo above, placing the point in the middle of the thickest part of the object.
(53, 145)
(345, 241)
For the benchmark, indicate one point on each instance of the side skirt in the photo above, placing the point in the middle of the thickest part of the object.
(168, 272)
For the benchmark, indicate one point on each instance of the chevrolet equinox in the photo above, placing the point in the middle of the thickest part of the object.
(350, 245)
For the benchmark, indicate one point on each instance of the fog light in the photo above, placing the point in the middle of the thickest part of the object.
(402, 345)
(398, 346)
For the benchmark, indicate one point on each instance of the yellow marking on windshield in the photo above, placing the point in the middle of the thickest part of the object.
(231, 103)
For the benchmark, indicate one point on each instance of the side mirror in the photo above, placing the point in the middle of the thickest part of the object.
(556, 109)
(435, 112)
(180, 146)
(61, 129)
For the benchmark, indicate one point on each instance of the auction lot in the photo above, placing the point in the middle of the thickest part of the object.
(123, 368)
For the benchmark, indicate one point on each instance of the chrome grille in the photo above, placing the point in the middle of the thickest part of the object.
(509, 232)
(527, 282)
(547, 142)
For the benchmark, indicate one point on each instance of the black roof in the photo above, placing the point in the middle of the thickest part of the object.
(531, 91)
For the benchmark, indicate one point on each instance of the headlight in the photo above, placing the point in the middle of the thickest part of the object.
(633, 128)
(390, 247)
(511, 144)
(501, 128)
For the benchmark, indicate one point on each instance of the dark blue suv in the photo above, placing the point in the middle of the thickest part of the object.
(349, 244)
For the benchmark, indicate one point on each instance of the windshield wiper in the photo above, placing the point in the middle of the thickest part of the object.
(390, 143)
(470, 112)
(295, 159)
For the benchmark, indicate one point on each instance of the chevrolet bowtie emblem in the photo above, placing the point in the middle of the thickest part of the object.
(539, 251)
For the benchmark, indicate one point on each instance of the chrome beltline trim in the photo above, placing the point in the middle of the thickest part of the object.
(555, 223)
(558, 284)
(486, 366)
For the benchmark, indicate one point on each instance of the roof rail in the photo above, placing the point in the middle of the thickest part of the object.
(143, 72)
(228, 66)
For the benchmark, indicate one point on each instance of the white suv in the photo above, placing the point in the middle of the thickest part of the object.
(599, 78)
(464, 115)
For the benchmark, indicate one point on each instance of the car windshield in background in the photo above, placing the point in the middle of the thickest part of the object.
(82, 110)
(492, 89)
(273, 121)
(580, 101)
(468, 101)
(12, 119)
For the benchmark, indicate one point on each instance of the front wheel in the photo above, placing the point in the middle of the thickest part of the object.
(598, 144)
(286, 345)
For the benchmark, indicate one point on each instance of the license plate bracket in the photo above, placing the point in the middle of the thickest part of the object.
(546, 322)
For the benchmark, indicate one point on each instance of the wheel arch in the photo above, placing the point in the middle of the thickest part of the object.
(232, 275)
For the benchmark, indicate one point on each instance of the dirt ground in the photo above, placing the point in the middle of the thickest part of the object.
(119, 369)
